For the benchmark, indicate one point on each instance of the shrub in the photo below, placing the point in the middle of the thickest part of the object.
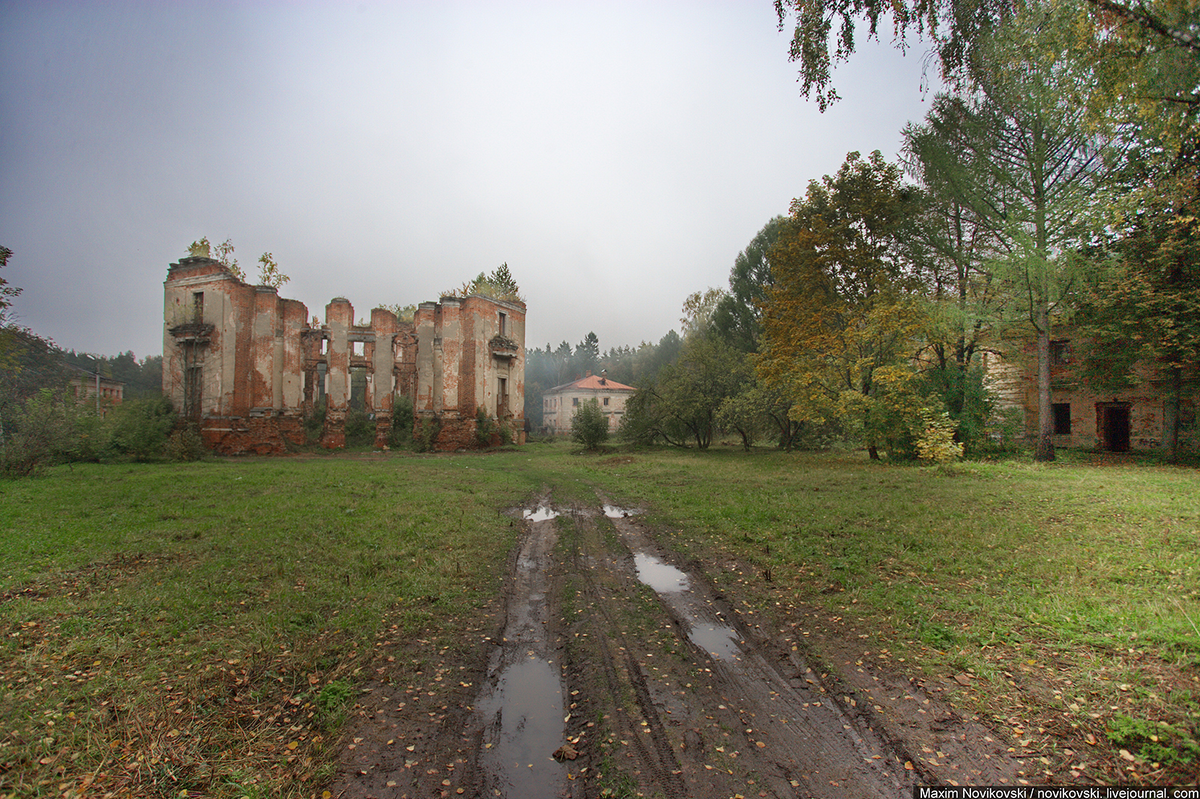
(140, 427)
(314, 423)
(504, 429)
(93, 437)
(42, 433)
(185, 443)
(934, 436)
(589, 426)
(402, 424)
(360, 428)
(426, 433)
(485, 427)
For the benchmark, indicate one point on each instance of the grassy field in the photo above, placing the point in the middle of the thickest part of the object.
(166, 628)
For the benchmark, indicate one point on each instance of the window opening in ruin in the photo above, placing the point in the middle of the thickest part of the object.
(322, 372)
(198, 307)
(503, 319)
(193, 380)
(1060, 352)
(1062, 418)
(324, 346)
(501, 398)
(358, 348)
(358, 388)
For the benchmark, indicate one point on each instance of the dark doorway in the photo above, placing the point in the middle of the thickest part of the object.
(1114, 426)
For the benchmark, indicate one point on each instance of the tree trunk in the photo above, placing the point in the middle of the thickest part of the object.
(1171, 426)
(1044, 450)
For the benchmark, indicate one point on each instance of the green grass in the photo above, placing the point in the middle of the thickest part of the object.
(170, 627)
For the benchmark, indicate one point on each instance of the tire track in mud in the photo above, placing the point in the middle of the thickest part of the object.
(585, 654)
(520, 707)
(766, 734)
(656, 756)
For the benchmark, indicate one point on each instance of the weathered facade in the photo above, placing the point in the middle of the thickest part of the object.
(1138, 418)
(560, 403)
(248, 366)
(92, 387)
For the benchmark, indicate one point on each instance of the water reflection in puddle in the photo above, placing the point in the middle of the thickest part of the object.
(662, 577)
(525, 725)
(613, 512)
(543, 513)
(717, 640)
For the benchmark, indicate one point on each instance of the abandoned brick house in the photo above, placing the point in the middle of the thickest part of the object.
(248, 366)
(1138, 418)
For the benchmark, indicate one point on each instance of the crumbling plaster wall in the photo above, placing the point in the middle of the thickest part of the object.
(245, 364)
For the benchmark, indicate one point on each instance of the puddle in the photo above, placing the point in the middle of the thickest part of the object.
(717, 640)
(662, 577)
(543, 513)
(524, 725)
(613, 512)
(520, 708)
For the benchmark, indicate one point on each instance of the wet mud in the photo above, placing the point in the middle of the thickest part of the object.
(610, 667)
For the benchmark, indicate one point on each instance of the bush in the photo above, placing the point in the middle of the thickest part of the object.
(185, 443)
(140, 427)
(402, 424)
(504, 429)
(314, 423)
(485, 427)
(42, 433)
(360, 428)
(589, 426)
(426, 433)
(93, 437)
(934, 435)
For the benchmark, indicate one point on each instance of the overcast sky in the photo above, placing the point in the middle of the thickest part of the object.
(617, 155)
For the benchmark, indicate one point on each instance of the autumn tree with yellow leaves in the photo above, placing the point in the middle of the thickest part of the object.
(844, 317)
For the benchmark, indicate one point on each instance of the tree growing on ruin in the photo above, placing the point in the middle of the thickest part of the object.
(269, 273)
(221, 253)
(499, 285)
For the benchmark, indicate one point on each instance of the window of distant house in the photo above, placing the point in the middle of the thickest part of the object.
(1062, 418)
(575, 402)
(1060, 353)
(606, 400)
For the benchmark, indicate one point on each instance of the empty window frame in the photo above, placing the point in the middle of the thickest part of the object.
(1060, 352)
(1062, 418)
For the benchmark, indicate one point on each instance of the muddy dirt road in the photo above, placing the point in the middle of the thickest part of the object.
(610, 668)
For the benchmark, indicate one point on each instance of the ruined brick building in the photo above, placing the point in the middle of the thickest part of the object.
(248, 366)
(1141, 417)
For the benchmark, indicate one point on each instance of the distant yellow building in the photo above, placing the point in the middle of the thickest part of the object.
(560, 402)
(89, 386)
